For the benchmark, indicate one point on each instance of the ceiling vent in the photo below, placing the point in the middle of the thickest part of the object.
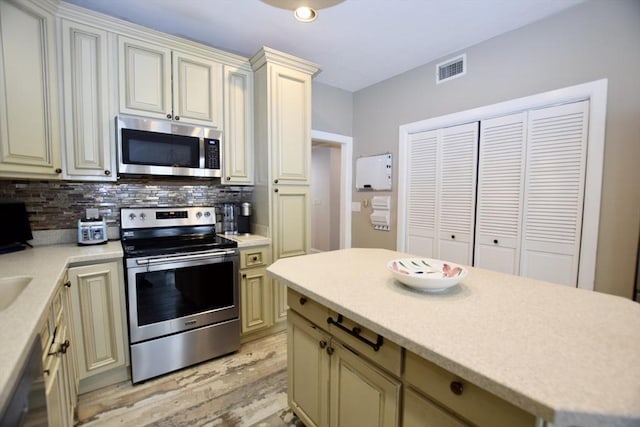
(451, 68)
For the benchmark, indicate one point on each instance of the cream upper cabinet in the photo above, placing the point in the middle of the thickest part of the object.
(156, 81)
(88, 78)
(98, 317)
(290, 125)
(238, 124)
(29, 119)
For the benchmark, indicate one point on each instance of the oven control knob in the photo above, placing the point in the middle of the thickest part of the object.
(142, 216)
(132, 216)
(207, 214)
(198, 214)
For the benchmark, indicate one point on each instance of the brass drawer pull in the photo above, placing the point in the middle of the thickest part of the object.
(303, 300)
(355, 332)
(323, 344)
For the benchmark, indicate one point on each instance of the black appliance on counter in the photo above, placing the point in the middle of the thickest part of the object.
(15, 229)
(244, 218)
(182, 288)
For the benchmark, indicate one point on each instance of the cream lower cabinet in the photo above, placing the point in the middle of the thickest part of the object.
(255, 289)
(337, 379)
(98, 313)
(331, 385)
(59, 362)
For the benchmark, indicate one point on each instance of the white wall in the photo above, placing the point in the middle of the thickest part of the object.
(594, 40)
(325, 197)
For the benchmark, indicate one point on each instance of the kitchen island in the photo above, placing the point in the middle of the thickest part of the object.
(565, 355)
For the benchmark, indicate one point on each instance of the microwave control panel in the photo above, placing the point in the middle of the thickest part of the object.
(212, 154)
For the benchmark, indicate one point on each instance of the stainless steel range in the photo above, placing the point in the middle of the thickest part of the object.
(182, 288)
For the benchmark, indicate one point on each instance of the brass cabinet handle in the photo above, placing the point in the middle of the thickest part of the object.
(495, 241)
(254, 258)
(244, 276)
(323, 344)
(107, 172)
(275, 191)
(177, 117)
(168, 116)
(330, 350)
(58, 170)
(228, 178)
(456, 387)
(303, 300)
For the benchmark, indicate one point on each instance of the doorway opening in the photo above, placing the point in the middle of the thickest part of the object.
(331, 175)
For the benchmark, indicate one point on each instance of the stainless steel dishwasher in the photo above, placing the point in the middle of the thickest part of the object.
(27, 405)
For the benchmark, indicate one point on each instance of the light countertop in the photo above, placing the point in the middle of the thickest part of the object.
(247, 240)
(20, 321)
(567, 355)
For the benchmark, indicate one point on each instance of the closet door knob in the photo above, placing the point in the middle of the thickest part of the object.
(495, 241)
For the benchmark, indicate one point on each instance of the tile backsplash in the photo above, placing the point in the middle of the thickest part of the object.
(55, 205)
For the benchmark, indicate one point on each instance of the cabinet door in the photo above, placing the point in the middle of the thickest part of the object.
(256, 300)
(145, 78)
(290, 125)
(238, 127)
(554, 192)
(280, 305)
(291, 221)
(308, 371)
(361, 395)
(421, 194)
(55, 392)
(456, 193)
(197, 90)
(87, 77)
(419, 411)
(98, 318)
(500, 193)
(29, 121)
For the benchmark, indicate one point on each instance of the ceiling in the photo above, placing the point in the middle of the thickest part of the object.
(357, 43)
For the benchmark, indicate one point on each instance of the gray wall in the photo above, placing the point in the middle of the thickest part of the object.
(332, 109)
(594, 40)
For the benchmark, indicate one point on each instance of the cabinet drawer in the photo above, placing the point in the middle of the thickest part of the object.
(308, 308)
(471, 402)
(388, 355)
(255, 257)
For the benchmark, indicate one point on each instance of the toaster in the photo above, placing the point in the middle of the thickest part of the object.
(92, 231)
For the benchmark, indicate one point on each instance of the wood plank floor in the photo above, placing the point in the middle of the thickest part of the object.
(247, 388)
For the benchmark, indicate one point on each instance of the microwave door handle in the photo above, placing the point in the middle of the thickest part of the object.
(182, 258)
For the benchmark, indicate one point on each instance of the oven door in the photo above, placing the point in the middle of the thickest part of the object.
(176, 293)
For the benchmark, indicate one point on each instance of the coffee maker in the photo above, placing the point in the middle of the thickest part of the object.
(244, 218)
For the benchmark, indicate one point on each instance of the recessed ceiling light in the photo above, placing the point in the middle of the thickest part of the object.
(305, 14)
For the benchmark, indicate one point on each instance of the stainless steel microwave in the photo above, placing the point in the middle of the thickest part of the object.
(164, 147)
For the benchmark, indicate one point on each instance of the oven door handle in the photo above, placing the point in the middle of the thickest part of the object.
(150, 261)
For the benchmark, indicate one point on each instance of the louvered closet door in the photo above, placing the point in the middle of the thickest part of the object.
(421, 193)
(554, 191)
(456, 192)
(500, 193)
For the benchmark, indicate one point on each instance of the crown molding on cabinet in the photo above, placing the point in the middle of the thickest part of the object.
(267, 54)
(89, 17)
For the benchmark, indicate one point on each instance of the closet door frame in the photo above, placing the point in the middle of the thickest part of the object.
(596, 93)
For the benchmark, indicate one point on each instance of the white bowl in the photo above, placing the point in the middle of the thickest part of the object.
(426, 274)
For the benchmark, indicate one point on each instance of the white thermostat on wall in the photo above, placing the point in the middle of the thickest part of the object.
(374, 172)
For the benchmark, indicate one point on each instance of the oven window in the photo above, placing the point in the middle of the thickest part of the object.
(159, 149)
(173, 293)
